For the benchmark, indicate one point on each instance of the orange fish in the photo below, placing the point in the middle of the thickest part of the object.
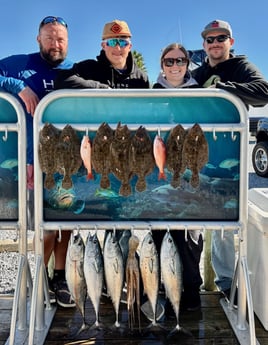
(160, 156)
(85, 152)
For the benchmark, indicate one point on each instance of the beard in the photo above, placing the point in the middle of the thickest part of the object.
(50, 57)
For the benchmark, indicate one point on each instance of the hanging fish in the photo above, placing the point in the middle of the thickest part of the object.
(101, 153)
(174, 148)
(141, 157)
(171, 272)
(194, 153)
(85, 152)
(94, 272)
(159, 150)
(75, 274)
(120, 153)
(150, 272)
(113, 271)
(67, 155)
(133, 281)
(48, 139)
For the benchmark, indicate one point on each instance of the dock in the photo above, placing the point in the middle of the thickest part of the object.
(208, 325)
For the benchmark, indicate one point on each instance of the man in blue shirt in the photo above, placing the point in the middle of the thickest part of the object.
(29, 77)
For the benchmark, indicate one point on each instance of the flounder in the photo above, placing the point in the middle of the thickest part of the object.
(67, 155)
(142, 160)
(101, 153)
(174, 146)
(194, 153)
(120, 153)
(48, 139)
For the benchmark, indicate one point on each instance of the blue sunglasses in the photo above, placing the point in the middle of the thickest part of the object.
(51, 19)
(112, 42)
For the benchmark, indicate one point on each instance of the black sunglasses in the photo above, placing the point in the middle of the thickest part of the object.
(181, 61)
(219, 38)
(51, 19)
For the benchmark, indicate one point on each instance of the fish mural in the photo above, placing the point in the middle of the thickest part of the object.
(48, 139)
(67, 155)
(141, 157)
(194, 153)
(119, 158)
(159, 150)
(101, 153)
(174, 148)
(85, 152)
(94, 273)
(75, 274)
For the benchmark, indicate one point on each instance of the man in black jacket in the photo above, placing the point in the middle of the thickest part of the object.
(114, 68)
(237, 75)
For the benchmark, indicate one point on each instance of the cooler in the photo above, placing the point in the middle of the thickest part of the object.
(257, 251)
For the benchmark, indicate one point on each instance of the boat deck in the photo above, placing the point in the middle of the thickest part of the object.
(206, 326)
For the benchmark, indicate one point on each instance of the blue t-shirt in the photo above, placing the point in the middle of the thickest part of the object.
(19, 71)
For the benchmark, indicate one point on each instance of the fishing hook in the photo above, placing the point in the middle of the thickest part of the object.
(59, 236)
(214, 134)
(185, 233)
(222, 233)
(5, 136)
(233, 136)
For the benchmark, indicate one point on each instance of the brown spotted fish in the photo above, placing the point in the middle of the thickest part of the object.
(67, 155)
(120, 153)
(194, 153)
(141, 157)
(174, 146)
(101, 153)
(48, 138)
(133, 282)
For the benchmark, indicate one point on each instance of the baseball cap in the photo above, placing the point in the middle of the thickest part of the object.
(116, 28)
(217, 25)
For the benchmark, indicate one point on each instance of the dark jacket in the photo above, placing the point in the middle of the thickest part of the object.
(101, 74)
(238, 76)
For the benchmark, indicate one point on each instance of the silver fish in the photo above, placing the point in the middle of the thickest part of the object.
(113, 271)
(94, 272)
(75, 275)
(171, 271)
(150, 271)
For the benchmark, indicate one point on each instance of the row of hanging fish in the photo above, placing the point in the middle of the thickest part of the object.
(123, 154)
(89, 269)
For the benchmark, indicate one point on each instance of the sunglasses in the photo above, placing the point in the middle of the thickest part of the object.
(51, 19)
(113, 42)
(181, 61)
(219, 38)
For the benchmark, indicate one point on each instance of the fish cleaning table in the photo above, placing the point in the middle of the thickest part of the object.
(12, 204)
(217, 202)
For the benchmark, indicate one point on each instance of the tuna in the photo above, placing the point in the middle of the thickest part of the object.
(94, 272)
(171, 271)
(75, 274)
(150, 271)
(113, 271)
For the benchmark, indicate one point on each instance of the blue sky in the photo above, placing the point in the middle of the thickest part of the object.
(153, 23)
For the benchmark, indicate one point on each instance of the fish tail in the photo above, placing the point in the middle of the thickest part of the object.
(90, 176)
(162, 176)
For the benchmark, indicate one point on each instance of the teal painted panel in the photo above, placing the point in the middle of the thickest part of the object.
(140, 110)
(9, 177)
(7, 112)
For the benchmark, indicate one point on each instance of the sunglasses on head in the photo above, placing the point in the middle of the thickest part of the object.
(113, 42)
(181, 61)
(51, 19)
(219, 38)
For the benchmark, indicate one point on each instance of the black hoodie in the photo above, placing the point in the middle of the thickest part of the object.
(101, 74)
(238, 76)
